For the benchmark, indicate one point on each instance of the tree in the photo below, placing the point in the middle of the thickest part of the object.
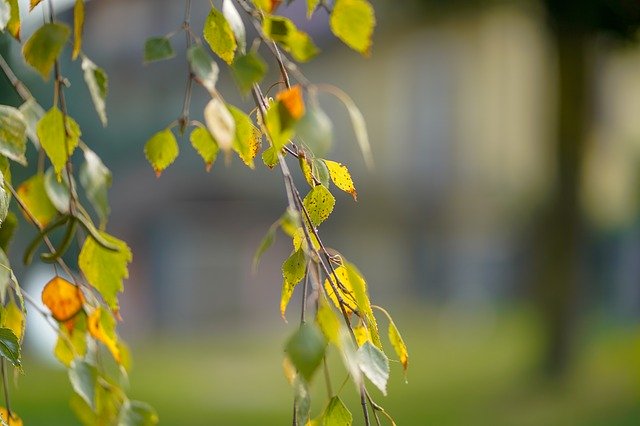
(83, 307)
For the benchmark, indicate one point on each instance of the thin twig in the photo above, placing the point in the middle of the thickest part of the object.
(5, 388)
(186, 25)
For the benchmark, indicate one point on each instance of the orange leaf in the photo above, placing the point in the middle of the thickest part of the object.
(14, 421)
(96, 324)
(63, 299)
(292, 101)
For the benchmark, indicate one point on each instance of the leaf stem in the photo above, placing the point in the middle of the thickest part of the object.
(5, 388)
(186, 25)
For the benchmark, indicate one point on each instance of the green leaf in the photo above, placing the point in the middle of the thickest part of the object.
(220, 123)
(306, 349)
(294, 268)
(315, 130)
(302, 401)
(72, 344)
(13, 25)
(52, 136)
(34, 196)
(158, 49)
(270, 157)
(328, 322)
(205, 145)
(84, 378)
(248, 69)
(375, 365)
(311, 7)
(235, 22)
(161, 150)
(5, 276)
(320, 171)
(57, 191)
(137, 413)
(279, 127)
(13, 134)
(10, 346)
(32, 112)
(7, 229)
(267, 241)
(203, 66)
(97, 82)
(247, 139)
(219, 35)
(337, 414)
(44, 46)
(105, 269)
(95, 178)
(294, 41)
(78, 27)
(319, 203)
(352, 21)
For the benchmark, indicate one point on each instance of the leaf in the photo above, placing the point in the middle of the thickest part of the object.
(268, 6)
(279, 125)
(5, 276)
(362, 334)
(53, 137)
(4, 200)
(7, 230)
(375, 365)
(299, 240)
(319, 204)
(72, 341)
(311, 7)
(352, 21)
(84, 377)
(95, 178)
(293, 271)
(267, 241)
(315, 130)
(101, 326)
(33, 3)
(203, 66)
(78, 27)
(220, 123)
(248, 69)
(63, 298)
(328, 322)
(336, 414)
(15, 419)
(320, 172)
(161, 150)
(97, 82)
(13, 318)
(137, 413)
(13, 134)
(57, 192)
(292, 100)
(32, 112)
(10, 346)
(306, 349)
(5, 14)
(13, 25)
(232, 16)
(33, 195)
(158, 49)
(398, 345)
(247, 139)
(219, 35)
(44, 46)
(359, 287)
(341, 177)
(270, 157)
(345, 290)
(205, 145)
(294, 41)
(105, 269)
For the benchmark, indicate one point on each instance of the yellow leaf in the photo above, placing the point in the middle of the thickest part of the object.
(285, 297)
(33, 3)
(362, 334)
(268, 6)
(289, 370)
(306, 170)
(398, 344)
(14, 421)
(352, 21)
(63, 299)
(72, 341)
(293, 101)
(345, 290)
(319, 203)
(13, 25)
(78, 27)
(13, 319)
(33, 195)
(102, 327)
(299, 238)
(359, 287)
(341, 177)
(328, 322)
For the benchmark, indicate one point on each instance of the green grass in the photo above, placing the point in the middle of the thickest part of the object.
(469, 373)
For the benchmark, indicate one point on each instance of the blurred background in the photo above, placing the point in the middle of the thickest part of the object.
(500, 226)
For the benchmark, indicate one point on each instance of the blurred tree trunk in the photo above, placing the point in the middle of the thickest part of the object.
(560, 243)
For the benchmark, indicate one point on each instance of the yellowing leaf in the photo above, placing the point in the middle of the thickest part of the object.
(105, 269)
(292, 101)
(33, 3)
(398, 345)
(53, 137)
(293, 271)
(294, 41)
(289, 370)
(285, 297)
(220, 123)
(299, 240)
(13, 25)
(311, 7)
(268, 6)
(219, 35)
(359, 287)
(72, 341)
(13, 134)
(101, 325)
(161, 150)
(344, 289)
(247, 139)
(13, 319)
(205, 145)
(78, 27)
(63, 299)
(362, 334)
(341, 177)
(306, 170)
(328, 322)
(44, 46)
(97, 82)
(336, 414)
(15, 420)
(352, 21)
(319, 204)
(33, 195)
